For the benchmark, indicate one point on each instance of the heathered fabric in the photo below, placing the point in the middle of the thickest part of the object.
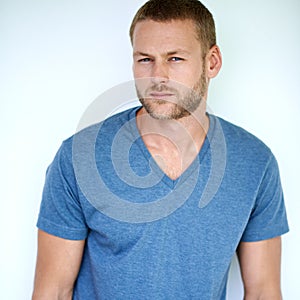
(158, 251)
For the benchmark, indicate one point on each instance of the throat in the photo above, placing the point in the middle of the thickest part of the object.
(170, 165)
(173, 144)
(171, 160)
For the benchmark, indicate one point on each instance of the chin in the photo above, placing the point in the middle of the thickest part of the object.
(159, 116)
(160, 109)
(173, 114)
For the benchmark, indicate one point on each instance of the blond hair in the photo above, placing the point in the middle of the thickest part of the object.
(169, 10)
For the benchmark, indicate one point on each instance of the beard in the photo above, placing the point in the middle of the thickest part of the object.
(183, 103)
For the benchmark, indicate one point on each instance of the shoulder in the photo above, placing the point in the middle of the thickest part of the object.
(245, 153)
(99, 131)
(239, 135)
(242, 143)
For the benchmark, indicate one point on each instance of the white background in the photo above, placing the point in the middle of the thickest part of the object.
(56, 57)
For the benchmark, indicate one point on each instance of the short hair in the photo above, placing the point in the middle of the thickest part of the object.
(169, 10)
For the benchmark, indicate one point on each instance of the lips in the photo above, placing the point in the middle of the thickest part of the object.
(160, 95)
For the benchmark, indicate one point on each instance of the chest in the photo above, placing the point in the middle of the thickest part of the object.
(188, 232)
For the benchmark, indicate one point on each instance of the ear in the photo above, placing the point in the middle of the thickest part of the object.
(213, 61)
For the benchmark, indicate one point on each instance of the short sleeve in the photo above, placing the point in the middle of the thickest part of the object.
(60, 211)
(268, 218)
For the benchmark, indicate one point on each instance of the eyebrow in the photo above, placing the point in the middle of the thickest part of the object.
(179, 51)
(138, 53)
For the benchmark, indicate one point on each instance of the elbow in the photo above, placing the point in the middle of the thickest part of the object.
(46, 294)
(263, 294)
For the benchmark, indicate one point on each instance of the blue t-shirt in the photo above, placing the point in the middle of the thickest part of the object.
(151, 237)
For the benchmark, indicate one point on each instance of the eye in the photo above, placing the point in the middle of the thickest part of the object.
(175, 58)
(145, 60)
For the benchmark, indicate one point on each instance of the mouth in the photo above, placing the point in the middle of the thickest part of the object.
(160, 95)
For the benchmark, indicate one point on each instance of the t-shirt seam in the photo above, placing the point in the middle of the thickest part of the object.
(79, 230)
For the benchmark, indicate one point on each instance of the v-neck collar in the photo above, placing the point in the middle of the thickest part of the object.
(193, 167)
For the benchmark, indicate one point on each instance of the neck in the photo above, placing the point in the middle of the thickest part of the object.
(185, 131)
(174, 144)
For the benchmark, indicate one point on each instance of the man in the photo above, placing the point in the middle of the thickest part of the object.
(153, 202)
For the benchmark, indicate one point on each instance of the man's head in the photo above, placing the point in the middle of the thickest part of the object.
(175, 55)
(170, 10)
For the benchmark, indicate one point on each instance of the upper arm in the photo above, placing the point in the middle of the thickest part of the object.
(260, 268)
(58, 263)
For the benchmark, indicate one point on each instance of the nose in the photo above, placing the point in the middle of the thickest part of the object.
(160, 73)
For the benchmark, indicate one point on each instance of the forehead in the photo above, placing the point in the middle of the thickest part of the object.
(154, 35)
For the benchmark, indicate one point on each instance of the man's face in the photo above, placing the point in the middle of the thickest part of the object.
(168, 67)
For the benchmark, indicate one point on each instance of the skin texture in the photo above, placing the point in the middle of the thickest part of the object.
(260, 268)
(169, 55)
(168, 64)
(173, 73)
(58, 263)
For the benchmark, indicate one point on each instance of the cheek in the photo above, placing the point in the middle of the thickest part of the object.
(140, 71)
(187, 79)
(135, 70)
(187, 74)
(142, 84)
